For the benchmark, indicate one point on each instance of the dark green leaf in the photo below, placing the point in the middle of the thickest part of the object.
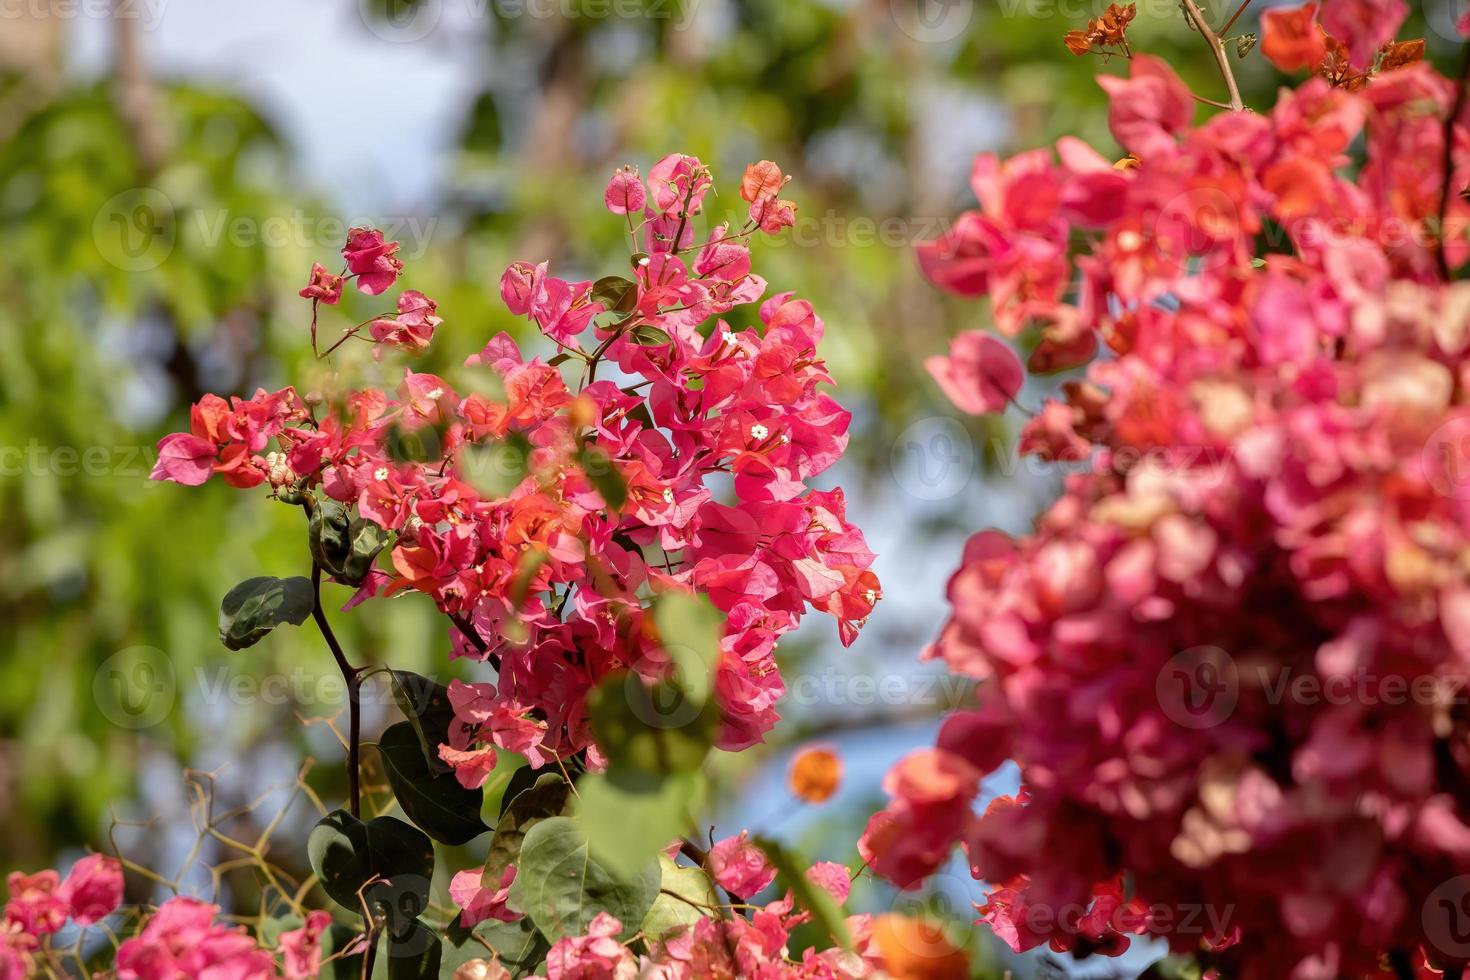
(548, 797)
(425, 704)
(327, 534)
(815, 900)
(444, 809)
(647, 335)
(415, 954)
(365, 540)
(619, 295)
(258, 605)
(521, 780)
(396, 857)
(562, 887)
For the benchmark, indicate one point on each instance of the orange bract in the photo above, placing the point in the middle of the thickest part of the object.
(1103, 32)
(815, 774)
(917, 950)
(762, 180)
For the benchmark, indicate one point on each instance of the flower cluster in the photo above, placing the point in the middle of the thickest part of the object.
(546, 510)
(41, 904)
(1230, 659)
(182, 938)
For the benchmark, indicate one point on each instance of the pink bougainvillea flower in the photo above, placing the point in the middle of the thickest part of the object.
(413, 328)
(1150, 108)
(301, 949)
(185, 459)
(1363, 26)
(1292, 39)
(371, 260)
(477, 902)
(93, 888)
(981, 374)
(36, 905)
(324, 285)
(625, 194)
(500, 501)
(182, 939)
(597, 955)
(739, 866)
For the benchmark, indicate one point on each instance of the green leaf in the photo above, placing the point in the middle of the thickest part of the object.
(655, 728)
(647, 335)
(415, 955)
(815, 900)
(603, 475)
(425, 704)
(685, 896)
(258, 605)
(326, 534)
(396, 857)
(444, 809)
(562, 887)
(630, 816)
(520, 946)
(548, 797)
(495, 468)
(690, 628)
(365, 540)
(619, 295)
(521, 780)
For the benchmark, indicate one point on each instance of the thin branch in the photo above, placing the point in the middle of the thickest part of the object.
(693, 852)
(1235, 16)
(350, 674)
(1217, 48)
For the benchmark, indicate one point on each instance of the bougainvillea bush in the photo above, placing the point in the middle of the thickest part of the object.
(618, 536)
(1230, 660)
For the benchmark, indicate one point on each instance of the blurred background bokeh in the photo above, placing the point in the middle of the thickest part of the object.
(169, 169)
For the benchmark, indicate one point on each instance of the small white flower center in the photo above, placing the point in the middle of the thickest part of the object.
(381, 473)
(435, 395)
(872, 596)
(759, 432)
(668, 496)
